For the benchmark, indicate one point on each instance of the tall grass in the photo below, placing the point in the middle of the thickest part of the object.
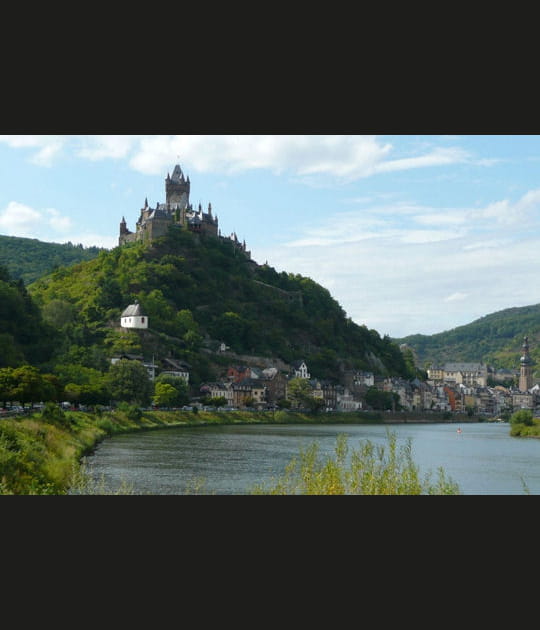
(369, 469)
(83, 481)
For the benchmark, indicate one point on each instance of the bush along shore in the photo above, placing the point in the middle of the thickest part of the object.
(42, 453)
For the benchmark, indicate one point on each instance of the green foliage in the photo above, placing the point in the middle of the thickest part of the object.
(51, 412)
(164, 395)
(26, 384)
(522, 416)
(369, 469)
(378, 399)
(24, 336)
(180, 394)
(299, 392)
(133, 412)
(128, 381)
(28, 258)
(495, 339)
(197, 289)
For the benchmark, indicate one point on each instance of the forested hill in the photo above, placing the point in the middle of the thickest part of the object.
(24, 336)
(198, 292)
(28, 258)
(495, 339)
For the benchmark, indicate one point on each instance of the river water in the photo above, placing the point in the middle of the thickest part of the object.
(482, 459)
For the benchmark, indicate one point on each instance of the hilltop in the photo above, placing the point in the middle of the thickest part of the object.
(199, 291)
(495, 339)
(28, 258)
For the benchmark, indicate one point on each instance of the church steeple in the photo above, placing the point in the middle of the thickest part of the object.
(526, 363)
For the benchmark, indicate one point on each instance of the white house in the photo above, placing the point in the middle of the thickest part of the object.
(133, 317)
(301, 370)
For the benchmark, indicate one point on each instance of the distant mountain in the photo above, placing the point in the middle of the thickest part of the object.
(28, 258)
(197, 292)
(495, 339)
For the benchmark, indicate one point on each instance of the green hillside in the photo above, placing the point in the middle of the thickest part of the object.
(29, 258)
(198, 292)
(24, 336)
(495, 339)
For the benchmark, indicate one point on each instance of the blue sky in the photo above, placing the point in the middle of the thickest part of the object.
(409, 233)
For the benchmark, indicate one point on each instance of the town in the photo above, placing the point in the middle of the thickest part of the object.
(473, 388)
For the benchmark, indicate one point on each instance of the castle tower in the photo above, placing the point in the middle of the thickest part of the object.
(177, 188)
(525, 372)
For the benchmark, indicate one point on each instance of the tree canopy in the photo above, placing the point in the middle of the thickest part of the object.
(198, 290)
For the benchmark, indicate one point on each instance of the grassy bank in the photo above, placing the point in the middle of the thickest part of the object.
(41, 454)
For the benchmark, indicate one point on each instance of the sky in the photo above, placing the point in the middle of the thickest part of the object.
(409, 233)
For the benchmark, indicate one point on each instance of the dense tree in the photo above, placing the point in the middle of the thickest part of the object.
(128, 381)
(494, 339)
(198, 291)
(299, 392)
(380, 400)
(523, 416)
(180, 396)
(24, 336)
(7, 385)
(28, 258)
(164, 395)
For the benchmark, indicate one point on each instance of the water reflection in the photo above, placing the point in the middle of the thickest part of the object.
(482, 459)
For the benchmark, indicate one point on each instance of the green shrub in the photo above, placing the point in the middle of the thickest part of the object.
(52, 413)
(523, 416)
(133, 412)
(369, 469)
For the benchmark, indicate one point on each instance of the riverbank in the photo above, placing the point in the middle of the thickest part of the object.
(41, 453)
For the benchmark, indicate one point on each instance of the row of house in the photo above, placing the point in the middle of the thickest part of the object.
(454, 387)
(438, 395)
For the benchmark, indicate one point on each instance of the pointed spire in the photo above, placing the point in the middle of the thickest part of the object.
(146, 202)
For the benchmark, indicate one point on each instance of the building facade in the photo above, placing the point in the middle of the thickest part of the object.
(133, 317)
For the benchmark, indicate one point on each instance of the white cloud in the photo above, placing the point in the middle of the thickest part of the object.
(96, 148)
(58, 222)
(389, 273)
(437, 157)
(344, 157)
(48, 146)
(456, 297)
(19, 220)
(48, 225)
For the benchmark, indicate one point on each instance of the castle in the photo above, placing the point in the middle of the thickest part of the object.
(177, 210)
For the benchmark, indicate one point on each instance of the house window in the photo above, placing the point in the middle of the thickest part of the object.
(142, 320)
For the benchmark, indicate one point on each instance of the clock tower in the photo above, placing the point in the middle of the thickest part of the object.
(526, 363)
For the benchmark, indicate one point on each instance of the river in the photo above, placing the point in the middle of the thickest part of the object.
(231, 459)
